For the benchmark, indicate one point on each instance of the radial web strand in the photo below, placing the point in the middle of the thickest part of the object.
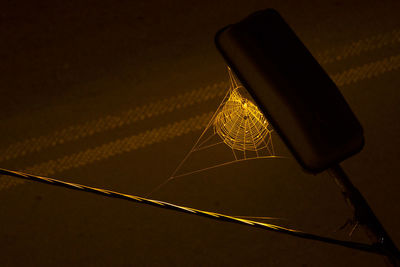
(238, 131)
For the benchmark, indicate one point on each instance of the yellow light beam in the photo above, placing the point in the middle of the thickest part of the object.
(89, 128)
(358, 47)
(116, 147)
(110, 122)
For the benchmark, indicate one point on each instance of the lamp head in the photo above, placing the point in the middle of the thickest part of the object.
(302, 103)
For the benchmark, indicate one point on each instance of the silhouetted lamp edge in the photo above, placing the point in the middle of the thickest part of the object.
(317, 138)
(302, 103)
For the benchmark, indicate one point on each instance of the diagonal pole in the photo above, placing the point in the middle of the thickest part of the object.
(216, 216)
(365, 216)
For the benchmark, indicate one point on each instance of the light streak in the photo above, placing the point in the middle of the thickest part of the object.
(213, 215)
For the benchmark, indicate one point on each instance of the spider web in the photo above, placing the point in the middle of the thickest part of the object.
(237, 126)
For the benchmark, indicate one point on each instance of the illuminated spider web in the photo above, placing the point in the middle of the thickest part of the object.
(242, 126)
(238, 125)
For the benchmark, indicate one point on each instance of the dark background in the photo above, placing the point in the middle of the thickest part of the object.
(71, 72)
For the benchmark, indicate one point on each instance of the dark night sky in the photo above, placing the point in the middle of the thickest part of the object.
(77, 79)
